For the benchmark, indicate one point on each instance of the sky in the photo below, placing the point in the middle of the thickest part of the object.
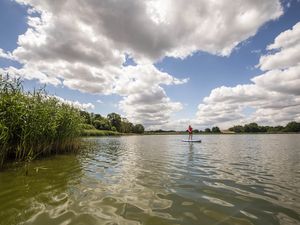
(165, 64)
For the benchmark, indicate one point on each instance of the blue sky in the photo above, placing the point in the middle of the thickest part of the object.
(167, 100)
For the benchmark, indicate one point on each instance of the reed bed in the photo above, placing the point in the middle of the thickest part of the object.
(99, 133)
(33, 124)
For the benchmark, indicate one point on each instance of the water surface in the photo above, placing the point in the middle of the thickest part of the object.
(226, 179)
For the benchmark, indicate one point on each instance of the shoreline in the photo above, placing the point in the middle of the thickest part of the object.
(105, 133)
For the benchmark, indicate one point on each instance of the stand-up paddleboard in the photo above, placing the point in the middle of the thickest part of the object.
(191, 140)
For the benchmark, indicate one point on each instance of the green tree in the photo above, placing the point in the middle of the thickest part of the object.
(97, 117)
(115, 120)
(126, 126)
(275, 129)
(237, 129)
(215, 130)
(102, 124)
(251, 128)
(138, 128)
(207, 130)
(86, 117)
(292, 127)
(263, 129)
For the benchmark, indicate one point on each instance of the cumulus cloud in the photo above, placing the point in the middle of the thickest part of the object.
(288, 46)
(83, 44)
(5, 55)
(275, 95)
(77, 104)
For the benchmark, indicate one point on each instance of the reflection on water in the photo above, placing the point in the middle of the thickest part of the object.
(226, 179)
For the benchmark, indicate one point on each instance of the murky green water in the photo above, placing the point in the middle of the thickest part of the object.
(227, 179)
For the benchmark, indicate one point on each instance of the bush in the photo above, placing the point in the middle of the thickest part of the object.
(87, 126)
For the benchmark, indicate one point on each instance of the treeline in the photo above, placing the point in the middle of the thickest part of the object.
(214, 130)
(112, 122)
(255, 128)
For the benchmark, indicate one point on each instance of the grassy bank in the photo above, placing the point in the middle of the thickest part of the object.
(33, 124)
(99, 133)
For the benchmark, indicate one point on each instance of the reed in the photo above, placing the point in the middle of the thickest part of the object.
(99, 133)
(33, 124)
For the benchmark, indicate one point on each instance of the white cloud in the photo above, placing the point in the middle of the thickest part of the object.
(275, 95)
(83, 44)
(288, 44)
(76, 104)
(285, 81)
(99, 101)
(5, 55)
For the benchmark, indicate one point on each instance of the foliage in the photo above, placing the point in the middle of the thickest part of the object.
(86, 117)
(126, 126)
(292, 127)
(113, 122)
(138, 128)
(34, 124)
(255, 128)
(237, 129)
(95, 132)
(207, 130)
(87, 126)
(215, 130)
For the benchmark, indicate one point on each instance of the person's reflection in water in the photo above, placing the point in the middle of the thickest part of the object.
(191, 153)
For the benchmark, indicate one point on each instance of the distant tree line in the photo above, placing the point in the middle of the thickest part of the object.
(112, 121)
(214, 130)
(247, 128)
(255, 128)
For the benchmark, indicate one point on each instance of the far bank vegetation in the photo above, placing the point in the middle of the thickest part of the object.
(112, 124)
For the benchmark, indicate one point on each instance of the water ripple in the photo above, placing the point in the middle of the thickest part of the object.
(234, 179)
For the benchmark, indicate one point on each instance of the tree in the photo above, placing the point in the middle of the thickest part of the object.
(207, 130)
(126, 126)
(215, 130)
(292, 127)
(102, 124)
(86, 116)
(251, 128)
(115, 120)
(97, 124)
(138, 128)
(97, 117)
(275, 129)
(237, 129)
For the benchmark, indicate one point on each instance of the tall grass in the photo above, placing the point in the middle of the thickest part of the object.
(98, 133)
(33, 124)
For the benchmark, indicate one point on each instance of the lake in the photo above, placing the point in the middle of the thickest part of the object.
(226, 179)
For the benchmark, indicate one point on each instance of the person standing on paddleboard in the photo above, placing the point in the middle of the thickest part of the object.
(190, 130)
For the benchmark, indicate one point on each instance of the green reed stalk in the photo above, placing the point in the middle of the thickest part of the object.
(33, 124)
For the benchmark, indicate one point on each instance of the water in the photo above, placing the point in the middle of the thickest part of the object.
(226, 179)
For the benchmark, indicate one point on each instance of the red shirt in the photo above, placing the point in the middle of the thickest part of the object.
(190, 129)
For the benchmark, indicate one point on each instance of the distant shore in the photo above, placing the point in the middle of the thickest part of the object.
(103, 133)
(222, 133)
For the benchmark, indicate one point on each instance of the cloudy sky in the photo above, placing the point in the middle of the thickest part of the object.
(163, 63)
